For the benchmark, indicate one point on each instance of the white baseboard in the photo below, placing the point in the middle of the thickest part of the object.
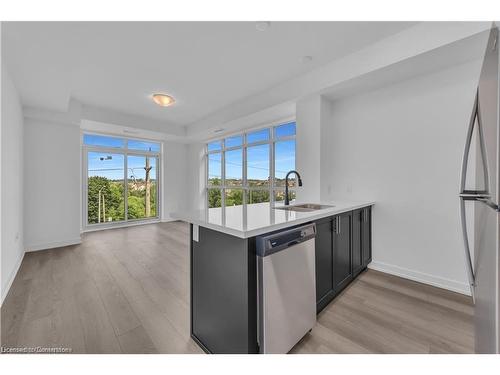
(168, 220)
(440, 282)
(119, 225)
(11, 278)
(51, 245)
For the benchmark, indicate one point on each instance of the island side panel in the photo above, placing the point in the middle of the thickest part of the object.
(223, 292)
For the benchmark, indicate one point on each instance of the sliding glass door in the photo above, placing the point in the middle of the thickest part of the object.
(121, 182)
(105, 187)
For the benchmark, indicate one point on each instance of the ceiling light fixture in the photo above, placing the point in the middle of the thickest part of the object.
(262, 25)
(163, 100)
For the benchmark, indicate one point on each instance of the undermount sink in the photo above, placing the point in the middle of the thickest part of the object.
(305, 207)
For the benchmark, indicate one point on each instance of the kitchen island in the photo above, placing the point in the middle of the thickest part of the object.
(224, 280)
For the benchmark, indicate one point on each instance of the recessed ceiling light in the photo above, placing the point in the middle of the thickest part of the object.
(163, 100)
(305, 59)
(262, 25)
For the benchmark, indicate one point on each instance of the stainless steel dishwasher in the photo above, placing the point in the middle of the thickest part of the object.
(286, 287)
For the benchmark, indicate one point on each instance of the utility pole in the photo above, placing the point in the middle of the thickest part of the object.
(103, 208)
(147, 204)
(99, 209)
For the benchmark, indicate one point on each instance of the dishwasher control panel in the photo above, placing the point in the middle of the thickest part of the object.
(271, 243)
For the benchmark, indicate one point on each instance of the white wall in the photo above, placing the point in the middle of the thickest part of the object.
(174, 178)
(401, 146)
(311, 114)
(52, 184)
(196, 176)
(12, 182)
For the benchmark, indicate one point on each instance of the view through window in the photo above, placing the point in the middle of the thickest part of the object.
(250, 168)
(122, 179)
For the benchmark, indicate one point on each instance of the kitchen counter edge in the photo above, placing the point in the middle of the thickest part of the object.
(320, 214)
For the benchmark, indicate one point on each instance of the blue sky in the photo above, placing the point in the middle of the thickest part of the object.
(113, 168)
(257, 160)
(112, 164)
(257, 156)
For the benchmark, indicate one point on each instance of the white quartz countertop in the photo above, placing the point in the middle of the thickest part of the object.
(256, 219)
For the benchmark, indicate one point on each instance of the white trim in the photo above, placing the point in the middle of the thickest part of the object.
(121, 224)
(168, 220)
(425, 278)
(52, 245)
(96, 127)
(13, 275)
(254, 128)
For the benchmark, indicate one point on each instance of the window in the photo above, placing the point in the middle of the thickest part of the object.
(103, 141)
(121, 181)
(250, 168)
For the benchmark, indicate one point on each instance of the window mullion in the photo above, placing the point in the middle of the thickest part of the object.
(125, 188)
(273, 172)
(223, 179)
(244, 183)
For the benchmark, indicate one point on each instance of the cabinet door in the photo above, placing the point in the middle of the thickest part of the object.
(366, 236)
(357, 255)
(342, 266)
(324, 263)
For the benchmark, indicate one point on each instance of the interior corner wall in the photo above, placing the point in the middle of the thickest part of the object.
(311, 112)
(174, 178)
(196, 176)
(52, 211)
(12, 182)
(401, 146)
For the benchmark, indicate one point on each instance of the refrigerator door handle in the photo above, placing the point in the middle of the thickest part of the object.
(468, 258)
(482, 145)
(469, 194)
(468, 141)
(487, 201)
(476, 114)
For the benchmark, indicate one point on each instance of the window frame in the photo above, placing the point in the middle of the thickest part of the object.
(125, 151)
(271, 142)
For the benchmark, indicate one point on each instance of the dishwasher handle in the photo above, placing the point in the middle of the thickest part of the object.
(272, 243)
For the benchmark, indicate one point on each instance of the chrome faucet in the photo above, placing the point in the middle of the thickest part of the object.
(287, 199)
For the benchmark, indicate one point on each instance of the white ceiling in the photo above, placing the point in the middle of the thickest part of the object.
(206, 66)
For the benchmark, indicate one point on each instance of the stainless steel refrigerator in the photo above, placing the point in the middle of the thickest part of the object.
(479, 202)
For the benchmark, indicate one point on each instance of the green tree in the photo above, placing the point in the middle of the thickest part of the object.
(258, 196)
(234, 197)
(137, 199)
(112, 191)
(135, 207)
(214, 198)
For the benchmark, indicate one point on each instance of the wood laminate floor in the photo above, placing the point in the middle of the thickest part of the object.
(127, 291)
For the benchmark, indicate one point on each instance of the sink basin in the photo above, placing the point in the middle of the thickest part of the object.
(305, 207)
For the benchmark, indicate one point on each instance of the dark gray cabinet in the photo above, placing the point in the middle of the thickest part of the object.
(343, 250)
(324, 263)
(223, 292)
(366, 236)
(357, 252)
(342, 267)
